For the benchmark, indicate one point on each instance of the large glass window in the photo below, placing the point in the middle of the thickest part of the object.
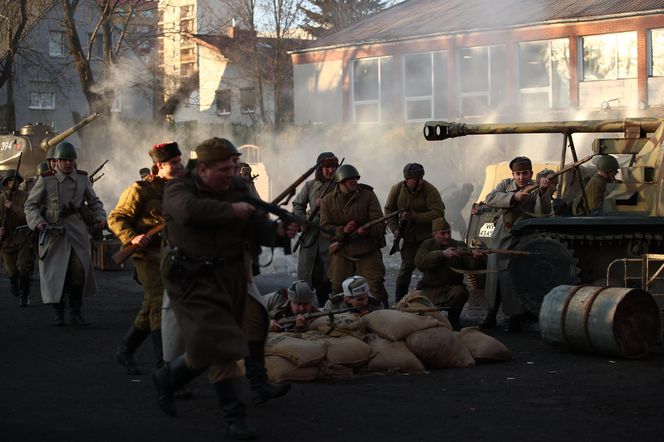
(544, 74)
(40, 96)
(56, 44)
(372, 89)
(609, 56)
(657, 52)
(425, 78)
(482, 79)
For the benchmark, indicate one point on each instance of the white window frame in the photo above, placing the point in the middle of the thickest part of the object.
(535, 90)
(617, 64)
(486, 93)
(242, 109)
(421, 98)
(649, 51)
(376, 101)
(42, 95)
(63, 45)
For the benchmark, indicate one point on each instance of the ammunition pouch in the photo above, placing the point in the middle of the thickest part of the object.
(176, 266)
(69, 209)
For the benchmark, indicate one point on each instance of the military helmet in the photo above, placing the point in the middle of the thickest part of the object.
(50, 154)
(607, 163)
(413, 170)
(11, 173)
(301, 293)
(42, 168)
(344, 172)
(65, 151)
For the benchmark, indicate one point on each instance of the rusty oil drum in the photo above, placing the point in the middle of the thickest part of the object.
(613, 321)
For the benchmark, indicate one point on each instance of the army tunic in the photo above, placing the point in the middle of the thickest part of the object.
(139, 210)
(54, 193)
(17, 247)
(502, 197)
(361, 206)
(595, 190)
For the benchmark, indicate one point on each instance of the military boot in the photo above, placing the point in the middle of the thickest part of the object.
(14, 285)
(261, 390)
(489, 322)
(400, 292)
(168, 378)
(130, 343)
(24, 287)
(158, 348)
(235, 415)
(59, 314)
(75, 304)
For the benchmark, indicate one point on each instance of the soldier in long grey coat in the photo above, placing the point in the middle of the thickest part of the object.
(314, 259)
(65, 262)
(513, 202)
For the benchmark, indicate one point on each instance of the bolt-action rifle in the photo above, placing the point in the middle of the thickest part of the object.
(403, 226)
(335, 246)
(486, 251)
(533, 187)
(124, 253)
(289, 192)
(285, 215)
(285, 322)
(96, 171)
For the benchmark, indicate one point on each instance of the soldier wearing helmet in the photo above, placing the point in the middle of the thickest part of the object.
(50, 158)
(28, 184)
(54, 209)
(607, 169)
(356, 294)
(314, 260)
(346, 209)
(422, 204)
(138, 211)
(16, 245)
(295, 301)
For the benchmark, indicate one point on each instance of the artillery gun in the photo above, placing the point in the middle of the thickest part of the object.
(34, 140)
(580, 249)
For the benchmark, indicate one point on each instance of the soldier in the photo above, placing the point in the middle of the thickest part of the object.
(422, 203)
(65, 264)
(356, 294)
(515, 204)
(138, 211)
(15, 238)
(346, 209)
(455, 202)
(50, 158)
(435, 259)
(293, 302)
(206, 267)
(28, 184)
(607, 169)
(314, 260)
(144, 172)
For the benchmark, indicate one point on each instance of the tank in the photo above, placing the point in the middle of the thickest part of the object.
(570, 249)
(34, 140)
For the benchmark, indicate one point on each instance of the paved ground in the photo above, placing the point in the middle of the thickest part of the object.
(62, 384)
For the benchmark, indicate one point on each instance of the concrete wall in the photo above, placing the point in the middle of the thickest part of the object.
(318, 89)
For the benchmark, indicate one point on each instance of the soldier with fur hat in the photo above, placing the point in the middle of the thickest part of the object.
(314, 260)
(356, 294)
(422, 203)
(296, 300)
(139, 209)
(515, 204)
(436, 258)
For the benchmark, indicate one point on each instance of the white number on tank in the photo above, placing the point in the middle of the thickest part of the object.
(487, 230)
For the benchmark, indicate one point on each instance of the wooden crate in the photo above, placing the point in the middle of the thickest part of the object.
(102, 250)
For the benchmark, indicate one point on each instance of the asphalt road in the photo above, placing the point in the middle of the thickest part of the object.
(63, 384)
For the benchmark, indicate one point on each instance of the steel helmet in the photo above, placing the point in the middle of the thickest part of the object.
(607, 163)
(50, 154)
(9, 174)
(65, 151)
(344, 172)
(42, 168)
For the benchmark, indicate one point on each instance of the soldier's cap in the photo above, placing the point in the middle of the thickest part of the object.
(413, 170)
(519, 164)
(301, 293)
(11, 173)
(440, 224)
(355, 286)
(215, 149)
(144, 172)
(545, 173)
(160, 153)
(327, 159)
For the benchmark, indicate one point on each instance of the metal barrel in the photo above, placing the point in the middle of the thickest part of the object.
(442, 130)
(613, 321)
(47, 143)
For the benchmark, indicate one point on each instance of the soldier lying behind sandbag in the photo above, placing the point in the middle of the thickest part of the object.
(294, 302)
(356, 294)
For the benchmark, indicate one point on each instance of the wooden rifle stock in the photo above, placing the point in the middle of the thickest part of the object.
(124, 253)
(535, 186)
(335, 246)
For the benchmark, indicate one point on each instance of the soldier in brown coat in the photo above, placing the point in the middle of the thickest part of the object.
(423, 204)
(347, 209)
(138, 211)
(206, 269)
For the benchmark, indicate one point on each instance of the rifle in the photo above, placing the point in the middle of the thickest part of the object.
(124, 253)
(96, 171)
(396, 245)
(285, 215)
(291, 320)
(316, 210)
(423, 309)
(335, 246)
(483, 251)
(12, 190)
(532, 187)
(289, 192)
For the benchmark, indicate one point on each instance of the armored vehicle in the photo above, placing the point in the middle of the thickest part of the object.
(597, 250)
(34, 140)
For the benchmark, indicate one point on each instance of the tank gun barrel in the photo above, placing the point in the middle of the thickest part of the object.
(47, 143)
(442, 130)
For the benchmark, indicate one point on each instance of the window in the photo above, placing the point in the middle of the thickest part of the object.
(187, 18)
(482, 79)
(544, 74)
(223, 102)
(187, 55)
(609, 56)
(250, 153)
(186, 11)
(56, 44)
(98, 45)
(248, 100)
(187, 25)
(657, 52)
(425, 78)
(372, 90)
(39, 98)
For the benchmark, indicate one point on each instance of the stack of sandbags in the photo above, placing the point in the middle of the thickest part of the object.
(342, 324)
(395, 325)
(482, 347)
(438, 347)
(289, 358)
(392, 357)
(415, 300)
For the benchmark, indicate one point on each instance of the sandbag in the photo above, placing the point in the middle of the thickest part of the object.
(303, 353)
(416, 299)
(347, 351)
(334, 371)
(281, 369)
(482, 347)
(437, 347)
(395, 325)
(392, 356)
(343, 324)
